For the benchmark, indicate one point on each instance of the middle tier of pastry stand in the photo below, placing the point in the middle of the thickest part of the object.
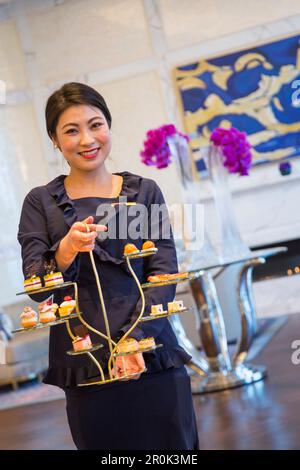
(112, 345)
(59, 321)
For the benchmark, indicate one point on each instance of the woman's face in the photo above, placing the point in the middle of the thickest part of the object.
(83, 136)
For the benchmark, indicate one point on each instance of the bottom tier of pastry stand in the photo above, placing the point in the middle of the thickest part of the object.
(120, 379)
(84, 351)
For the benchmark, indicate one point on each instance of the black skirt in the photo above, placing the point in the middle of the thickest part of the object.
(152, 413)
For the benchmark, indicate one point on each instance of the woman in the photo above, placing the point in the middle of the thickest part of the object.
(155, 410)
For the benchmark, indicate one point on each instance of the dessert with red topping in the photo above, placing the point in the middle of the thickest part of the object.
(67, 306)
(47, 311)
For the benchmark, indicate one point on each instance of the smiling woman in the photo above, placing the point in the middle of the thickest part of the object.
(83, 136)
(80, 128)
(53, 225)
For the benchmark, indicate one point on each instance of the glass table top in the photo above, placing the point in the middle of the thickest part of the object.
(253, 254)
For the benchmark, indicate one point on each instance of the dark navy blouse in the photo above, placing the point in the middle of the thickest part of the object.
(47, 215)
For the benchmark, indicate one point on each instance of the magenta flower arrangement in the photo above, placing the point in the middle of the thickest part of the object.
(156, 151)
(235, 147)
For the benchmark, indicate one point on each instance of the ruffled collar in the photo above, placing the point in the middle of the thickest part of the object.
(130, 186)
(130, 189)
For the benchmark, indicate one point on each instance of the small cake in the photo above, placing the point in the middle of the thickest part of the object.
(156, 309)
(146, 343)
(29, 318)
(148, 245)
(130, 248)
(53, 279)
(47, 311)
(80, 343)
(67, 306)
(175, 306)
(32, 283)
(128, 345)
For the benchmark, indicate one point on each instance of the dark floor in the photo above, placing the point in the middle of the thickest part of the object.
(265, 415)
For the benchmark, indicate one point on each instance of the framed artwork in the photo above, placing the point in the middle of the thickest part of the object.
(256, 90)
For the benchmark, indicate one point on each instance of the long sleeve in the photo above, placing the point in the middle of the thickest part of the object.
(36, 247)
(165, 261)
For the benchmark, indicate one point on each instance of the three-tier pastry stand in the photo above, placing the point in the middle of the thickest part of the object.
(113, 346)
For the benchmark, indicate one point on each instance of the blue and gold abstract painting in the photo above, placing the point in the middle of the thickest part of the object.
(254, 90)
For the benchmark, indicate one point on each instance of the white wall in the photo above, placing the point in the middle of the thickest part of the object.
(126, 49)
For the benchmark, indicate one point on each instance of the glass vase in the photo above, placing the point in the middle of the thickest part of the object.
(195, 250)
(230, 246)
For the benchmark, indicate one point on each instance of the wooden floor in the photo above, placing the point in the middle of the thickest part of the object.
(265, 415)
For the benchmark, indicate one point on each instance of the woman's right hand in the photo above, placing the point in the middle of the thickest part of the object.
(79, 240)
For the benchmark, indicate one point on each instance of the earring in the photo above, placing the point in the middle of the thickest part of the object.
(55, 146)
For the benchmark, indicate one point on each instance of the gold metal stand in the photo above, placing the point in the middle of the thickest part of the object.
(113, 346)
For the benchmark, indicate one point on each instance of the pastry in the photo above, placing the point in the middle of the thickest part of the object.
(32, 283)
(156, 309)
(80, 343)
(29, 318)
(47, 311)
(175, 306)
(53, 279)
(148, 245)
(128, 345)
(146, 343)
(67, 306)
(167, 277)
(130, 248)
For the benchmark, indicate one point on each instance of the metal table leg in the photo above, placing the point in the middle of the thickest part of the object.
(212, 329)
(198, 364)
(247, 310)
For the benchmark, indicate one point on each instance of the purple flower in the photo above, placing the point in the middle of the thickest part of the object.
(237, 157)
(156, 151)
